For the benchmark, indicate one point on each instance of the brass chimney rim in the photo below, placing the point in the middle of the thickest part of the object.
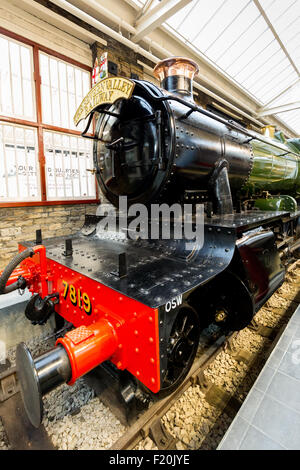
(176, 61)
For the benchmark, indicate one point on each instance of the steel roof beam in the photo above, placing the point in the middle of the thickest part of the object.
(144, 9)
(282, 93)
(154, 17)
(266, 18)
(54, 19)
(279, 109)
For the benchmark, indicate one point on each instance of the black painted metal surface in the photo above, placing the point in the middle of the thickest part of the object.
(248, 219)
(157, 270)
(200, 142)
(262, 264)
(158, 148)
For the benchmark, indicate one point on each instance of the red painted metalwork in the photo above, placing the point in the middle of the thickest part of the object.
(136, 324)
(27, 271)
(34, 270)
(50, 203)
(108, 325)
(87, 347)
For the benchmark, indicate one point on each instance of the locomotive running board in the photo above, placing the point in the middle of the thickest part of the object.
(157, 271)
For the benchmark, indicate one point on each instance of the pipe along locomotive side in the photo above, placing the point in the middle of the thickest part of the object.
(141, 304)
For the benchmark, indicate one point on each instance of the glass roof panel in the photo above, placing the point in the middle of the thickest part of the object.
(234, 35)
(292, 119)
(285, 17)
(218, 23)
(239, 48)
(257, 63)
(273, 80)
(287, 24)
(290, 96)
(199, 17)
(278, 8)
(233, 32)
(275, 62)
(271, 91)
(254, 49)
(176, 20)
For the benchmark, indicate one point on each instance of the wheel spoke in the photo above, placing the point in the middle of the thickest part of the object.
(183, 324)
(189, 330)
(182, 346)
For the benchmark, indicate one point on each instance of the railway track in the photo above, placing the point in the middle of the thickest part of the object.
(150, 424)
(13, 416)
(150, 421)
(154, 425)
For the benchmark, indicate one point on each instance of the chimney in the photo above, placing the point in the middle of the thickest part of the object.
(176, 75)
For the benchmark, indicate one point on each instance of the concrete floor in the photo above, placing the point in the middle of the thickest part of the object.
(269, 419)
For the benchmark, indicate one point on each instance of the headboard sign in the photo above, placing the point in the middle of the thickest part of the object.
(107, 91)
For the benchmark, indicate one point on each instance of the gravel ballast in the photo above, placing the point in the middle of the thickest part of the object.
(75, 418)
(4, 444)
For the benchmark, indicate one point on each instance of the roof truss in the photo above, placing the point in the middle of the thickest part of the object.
(153, 18)
(269, 23)
(279, 109)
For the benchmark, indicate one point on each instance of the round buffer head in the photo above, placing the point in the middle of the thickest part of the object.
(29, 384)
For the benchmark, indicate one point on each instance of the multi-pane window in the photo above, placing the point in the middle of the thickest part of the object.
(19, 168)
(42, 155)
(16, 80)
(67, 160)
(63, 88)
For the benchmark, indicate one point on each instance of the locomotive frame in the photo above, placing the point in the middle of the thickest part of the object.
(141, 304)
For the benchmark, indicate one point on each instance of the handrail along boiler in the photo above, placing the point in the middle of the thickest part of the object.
(141, 304)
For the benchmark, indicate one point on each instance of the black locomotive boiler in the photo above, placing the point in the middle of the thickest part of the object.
(141, 304)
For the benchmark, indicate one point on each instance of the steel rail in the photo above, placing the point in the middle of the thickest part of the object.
(140, 429)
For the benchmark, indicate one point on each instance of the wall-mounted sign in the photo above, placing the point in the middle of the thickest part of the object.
(95, 73)
(103, 66)
(100, 69)
(107, 91)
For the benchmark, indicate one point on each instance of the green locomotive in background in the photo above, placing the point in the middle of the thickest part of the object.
(276, 169)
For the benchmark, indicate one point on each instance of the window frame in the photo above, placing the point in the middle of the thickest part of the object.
(40, 126)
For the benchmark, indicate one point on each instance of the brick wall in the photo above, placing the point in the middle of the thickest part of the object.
(20, 223)
(121, 55)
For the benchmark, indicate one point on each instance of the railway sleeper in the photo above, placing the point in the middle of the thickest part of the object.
(8, 384)
(160, 436)
(243, 355)
(222, 400)
(262, 330)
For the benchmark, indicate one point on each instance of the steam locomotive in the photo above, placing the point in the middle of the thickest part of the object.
(141, 304)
